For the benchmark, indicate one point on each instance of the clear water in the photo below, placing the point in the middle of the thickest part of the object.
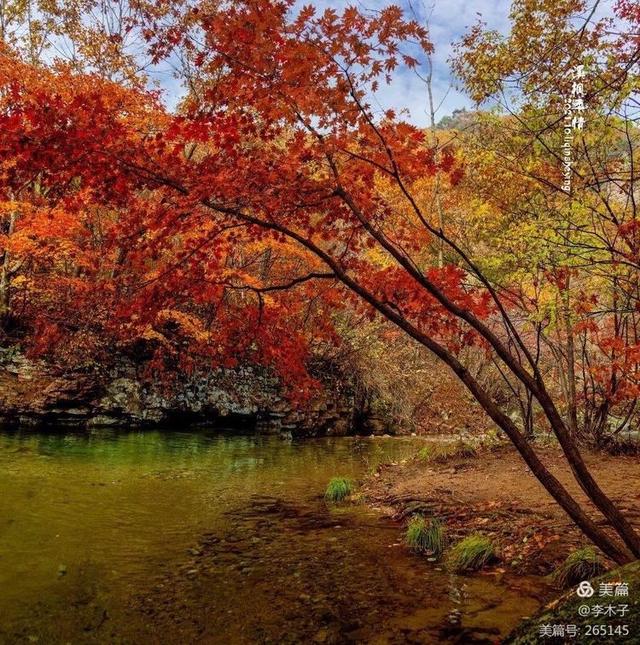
(185, 537)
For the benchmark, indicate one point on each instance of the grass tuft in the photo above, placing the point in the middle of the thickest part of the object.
(442, 452)
(425, 453)
(426, 536)
(465, 449)
(580, 565)
(338, 489)
(472, 553)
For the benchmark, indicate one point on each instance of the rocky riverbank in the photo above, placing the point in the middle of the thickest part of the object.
(33, 393)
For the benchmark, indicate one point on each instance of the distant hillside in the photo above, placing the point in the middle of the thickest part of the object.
(460, 119)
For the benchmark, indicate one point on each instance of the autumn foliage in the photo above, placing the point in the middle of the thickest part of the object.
(277, 197)
(111, 194)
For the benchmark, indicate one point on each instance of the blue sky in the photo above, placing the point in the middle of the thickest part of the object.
(447, 21)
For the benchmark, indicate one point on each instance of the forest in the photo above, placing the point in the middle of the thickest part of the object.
(236, 269)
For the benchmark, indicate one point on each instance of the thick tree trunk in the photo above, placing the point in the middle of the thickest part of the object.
(585, 478)
(544, 476)
(598, 536)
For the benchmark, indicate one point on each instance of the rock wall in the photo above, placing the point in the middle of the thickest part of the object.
(31, 393)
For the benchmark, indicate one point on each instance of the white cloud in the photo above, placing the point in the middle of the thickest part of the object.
(447, 20)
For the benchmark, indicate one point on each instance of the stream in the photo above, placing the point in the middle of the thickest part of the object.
(206, 537)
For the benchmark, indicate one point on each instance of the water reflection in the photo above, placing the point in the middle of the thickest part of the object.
(207, 537)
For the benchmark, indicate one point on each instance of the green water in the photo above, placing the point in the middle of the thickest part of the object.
(199, 537)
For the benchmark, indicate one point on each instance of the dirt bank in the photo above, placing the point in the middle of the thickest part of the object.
(496, 493)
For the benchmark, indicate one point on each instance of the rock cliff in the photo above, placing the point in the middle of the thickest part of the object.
(32, 393)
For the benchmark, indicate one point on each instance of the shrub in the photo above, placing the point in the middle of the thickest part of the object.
(472, 553)
(425, 536)
(338, 489)
(580, 565)
(622, 446)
